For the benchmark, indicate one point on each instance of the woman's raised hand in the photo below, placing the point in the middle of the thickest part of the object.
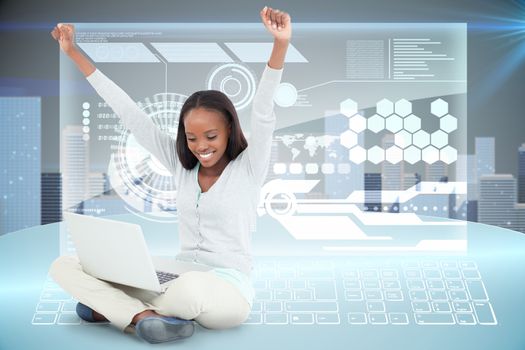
(65, 35)
(277, 22)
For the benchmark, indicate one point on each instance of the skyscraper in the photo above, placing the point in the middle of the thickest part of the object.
(74, 166)
(436, 171)
(51, 198)
(20, 159)
(373, 192)
(521, 174)
(497, 200)
(485, 154)
(393, 174)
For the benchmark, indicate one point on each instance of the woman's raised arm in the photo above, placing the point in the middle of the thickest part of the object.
(65, 35)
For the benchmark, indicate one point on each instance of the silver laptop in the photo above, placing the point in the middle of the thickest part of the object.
(116, 251)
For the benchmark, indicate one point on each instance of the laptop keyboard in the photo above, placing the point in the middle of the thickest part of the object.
(330, 292)
(164, 277)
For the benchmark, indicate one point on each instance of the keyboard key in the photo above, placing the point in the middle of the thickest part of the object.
(276, 318)
(257, 306)
(327, 318)
(254, 318)
(48, 307)
(54, 295)
(394, 295)
(468, 265)
(352, 284)
(431, 318)
(352, 295)
(69, 306)
(323, 290)
(387, 284)
(432, 273)
(375, 306)
(315, 274)
(303, 294)
(357, 318)
(273, 306)
(438, 295)
(471, 274)
(449, 264)
(44, 319)
(302, 318)
(460, 306)
(350, 274)
(412, 273)
(451, 274)
(484, 313)
(68, 319)
(429, 264)
(421, 306)
(282, 294)
(465, 319)
(263, 294)
(389, 273)
(435, 284)
(453, 284)
(417, 295)
(373, 295)
(378, 318)
(398, 318)
(311, 306)
(458, 295)
(416, 284)
(369, 273)
(441, 306)
(371, 284)
(477, 290)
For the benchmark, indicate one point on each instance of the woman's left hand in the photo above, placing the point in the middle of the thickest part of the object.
(277, 22)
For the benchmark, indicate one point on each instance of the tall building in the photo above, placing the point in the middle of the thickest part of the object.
(520, 217)
(373, 192)
(20, 158)
(74, 164)
(436, 172)
(466, 171)
(51, 198)
(485, 155)
(393, 174)
(497, 200)
(521, 174)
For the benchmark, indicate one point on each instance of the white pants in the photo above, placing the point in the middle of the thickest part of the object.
(201, 296)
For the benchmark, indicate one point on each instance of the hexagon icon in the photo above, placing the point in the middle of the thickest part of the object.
(439, 107)
(385, 107)
(348, 139)
(376, 155)
(376, 123)
(448, 154)
(394, 154)
(412, 123)
(430, 154)
(348, 107)
(448, 123)
(412, 154)
(403, 107)
(403, 139)
(421, 139)
(394, 123)
(357, 123)
(357, 154)
(439, 138)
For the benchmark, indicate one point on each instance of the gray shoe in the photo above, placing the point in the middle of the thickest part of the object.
(164, 329)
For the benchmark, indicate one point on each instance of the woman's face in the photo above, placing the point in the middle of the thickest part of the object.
(207, 134)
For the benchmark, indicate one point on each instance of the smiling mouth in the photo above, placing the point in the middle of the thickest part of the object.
(205, 155)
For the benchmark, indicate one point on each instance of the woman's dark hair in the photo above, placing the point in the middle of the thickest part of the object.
(216, 101)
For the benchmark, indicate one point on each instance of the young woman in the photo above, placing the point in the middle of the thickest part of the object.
(218, 177)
